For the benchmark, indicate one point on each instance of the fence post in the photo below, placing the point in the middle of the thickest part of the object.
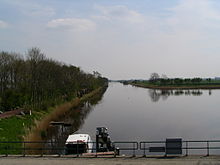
(96, 148)
(42, 149)
(144, 151)
(115, 150)
(77, 149)
(186, 148)
(24, 149)
(96, 152)
(6, 148)
(134, 149)
(207, 148)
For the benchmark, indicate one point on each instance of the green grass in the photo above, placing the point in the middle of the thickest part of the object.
(13, 129)
(214, 84)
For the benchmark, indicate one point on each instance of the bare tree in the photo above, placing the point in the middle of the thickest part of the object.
(154, 77)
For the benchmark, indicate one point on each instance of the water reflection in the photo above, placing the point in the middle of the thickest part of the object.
(73, 120)
(155, 94)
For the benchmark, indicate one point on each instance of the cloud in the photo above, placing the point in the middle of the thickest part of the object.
(75, 24)
(32, 8)
(120, 13)
(194, 14)
(3, 24)
(178, 40)
(41, 11)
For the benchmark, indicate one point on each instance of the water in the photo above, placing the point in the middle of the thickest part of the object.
(139, 114)
(132, 113)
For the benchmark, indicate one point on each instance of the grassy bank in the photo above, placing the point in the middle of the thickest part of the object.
(41, 126)
(173, 87)
(165, 83)
(31, 127)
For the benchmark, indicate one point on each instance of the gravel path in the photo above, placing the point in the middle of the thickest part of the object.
(196, 160)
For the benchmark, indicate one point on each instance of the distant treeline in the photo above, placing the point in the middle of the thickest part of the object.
(175, 81)
(164, 80)
(37, 82)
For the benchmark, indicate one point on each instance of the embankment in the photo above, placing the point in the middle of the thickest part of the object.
(176, 87)
(35, 134)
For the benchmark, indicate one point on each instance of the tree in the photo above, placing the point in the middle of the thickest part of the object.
(209, 80)
(37, 81)
(96, 74)
(154, 77)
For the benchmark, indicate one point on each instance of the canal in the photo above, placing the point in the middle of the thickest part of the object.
(139, 114)
(132, 113)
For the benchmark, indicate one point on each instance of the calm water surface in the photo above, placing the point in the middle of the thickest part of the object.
(139, 114)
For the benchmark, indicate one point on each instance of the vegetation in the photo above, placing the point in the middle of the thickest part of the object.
(39, 84)
(163, 82)
(13, 129)
(20, 128)
(42, 131)
(36, 82)
(45, 86)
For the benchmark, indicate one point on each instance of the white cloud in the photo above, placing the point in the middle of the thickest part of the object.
(75, 24)
(32, 8)
(3, 24)
(121, 13)
(194, 14)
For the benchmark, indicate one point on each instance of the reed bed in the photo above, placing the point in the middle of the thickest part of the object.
(37, 133)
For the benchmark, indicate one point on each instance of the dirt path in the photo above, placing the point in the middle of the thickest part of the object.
(110, 161)
(11, 113)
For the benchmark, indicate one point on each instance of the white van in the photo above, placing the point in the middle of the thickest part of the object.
(78, 144)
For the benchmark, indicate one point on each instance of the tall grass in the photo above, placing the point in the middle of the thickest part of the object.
(39, 131)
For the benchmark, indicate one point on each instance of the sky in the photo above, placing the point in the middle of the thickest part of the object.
(121, 39)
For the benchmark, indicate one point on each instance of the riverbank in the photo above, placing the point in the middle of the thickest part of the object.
(15, 128)
(39, 131)
(151, 86)
(189, 160)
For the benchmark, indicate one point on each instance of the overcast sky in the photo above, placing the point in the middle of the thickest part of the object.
(121, 39)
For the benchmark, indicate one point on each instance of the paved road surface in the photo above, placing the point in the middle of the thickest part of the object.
(110, 161)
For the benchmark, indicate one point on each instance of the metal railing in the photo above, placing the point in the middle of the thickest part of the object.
(187, 146)
(52, 148)
(127, 146)
(133, 148)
